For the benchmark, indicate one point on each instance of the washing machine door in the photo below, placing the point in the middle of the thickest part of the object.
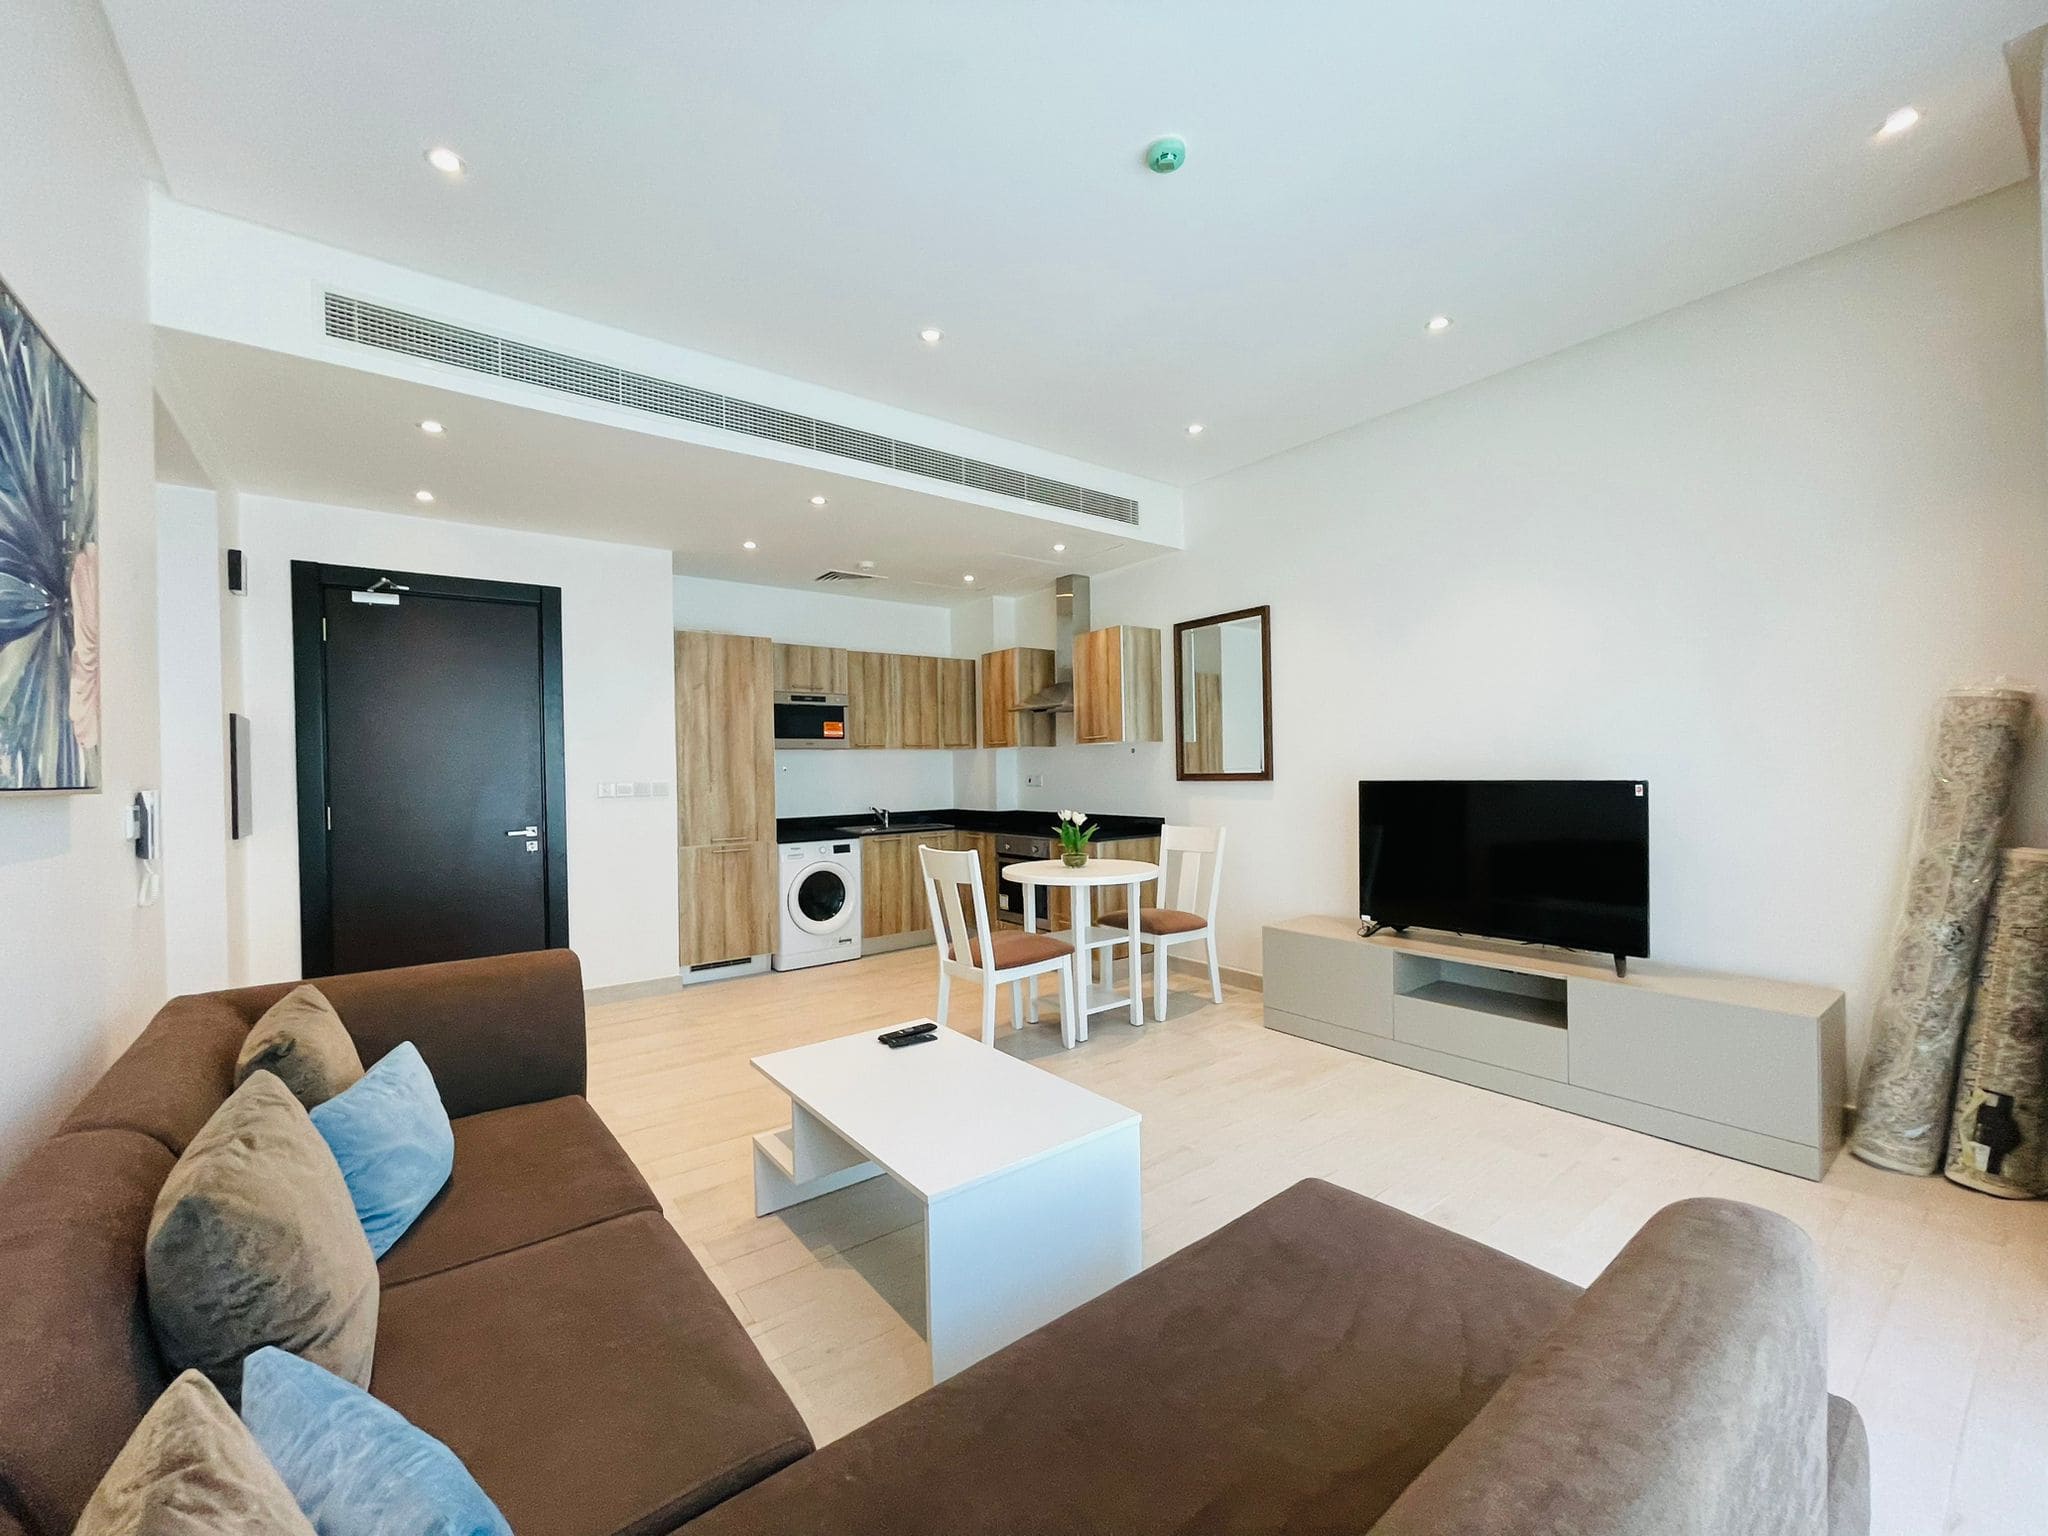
(818, 899)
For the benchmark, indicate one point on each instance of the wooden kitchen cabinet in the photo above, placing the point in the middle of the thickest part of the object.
(1007, 677)
(1116, 685)
(867, 699)
(810, 669)
(727, 901)
(725, 739)
(914, 701)
(956, 703)
(725, 796)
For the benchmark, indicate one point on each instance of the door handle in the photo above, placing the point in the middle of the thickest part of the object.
(524, 832)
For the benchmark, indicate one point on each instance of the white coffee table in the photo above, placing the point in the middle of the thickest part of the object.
(1029, 1184)
(1128, 873)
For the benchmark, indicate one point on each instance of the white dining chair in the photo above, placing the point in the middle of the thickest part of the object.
(1190, 872)
(971, 953)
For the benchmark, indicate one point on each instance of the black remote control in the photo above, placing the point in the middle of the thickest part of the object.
(897, 1045)
(908, 1032)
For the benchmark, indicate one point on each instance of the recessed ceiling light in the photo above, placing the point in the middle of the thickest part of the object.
(445, 160)
(1194, 429)
(931, 335)
(422, 496)
(1438, 323)
(867, 565)
(432, 428)
(750, 544)
(817, 501)
(967, 578)
(1904, 119)
(1059, 549)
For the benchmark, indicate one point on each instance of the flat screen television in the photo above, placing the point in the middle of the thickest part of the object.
(1549, 861)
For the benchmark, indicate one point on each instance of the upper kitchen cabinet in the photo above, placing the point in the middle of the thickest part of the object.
(725, 739)
(868, 691)
(1116, 685)
(1007, 678)
(914, 701)
(956, 703)
(810, 669)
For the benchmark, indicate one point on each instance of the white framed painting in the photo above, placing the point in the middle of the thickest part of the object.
(49, 564)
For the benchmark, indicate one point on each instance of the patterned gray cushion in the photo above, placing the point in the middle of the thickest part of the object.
(302, 1039)
(191, 1469)
(255, 1241)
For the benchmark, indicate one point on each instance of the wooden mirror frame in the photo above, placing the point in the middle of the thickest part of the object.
(1180, 740)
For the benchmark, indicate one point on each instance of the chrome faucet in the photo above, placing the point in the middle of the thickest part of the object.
(884, 815)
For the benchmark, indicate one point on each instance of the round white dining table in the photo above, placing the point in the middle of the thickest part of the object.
(1128, 873)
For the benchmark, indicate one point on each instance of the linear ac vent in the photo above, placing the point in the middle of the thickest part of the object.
(392, 330)
(846, 576)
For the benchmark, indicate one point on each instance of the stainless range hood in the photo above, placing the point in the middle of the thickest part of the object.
(1070, 617)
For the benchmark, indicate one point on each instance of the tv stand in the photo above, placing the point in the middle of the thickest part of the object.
(1748, 1068)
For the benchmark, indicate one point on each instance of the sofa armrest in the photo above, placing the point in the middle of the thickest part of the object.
(1684, 1394)
(494, 1032)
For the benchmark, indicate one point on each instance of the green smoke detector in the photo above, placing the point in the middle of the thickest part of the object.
(1167, 155)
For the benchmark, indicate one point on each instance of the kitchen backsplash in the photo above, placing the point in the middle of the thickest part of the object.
(831, 783)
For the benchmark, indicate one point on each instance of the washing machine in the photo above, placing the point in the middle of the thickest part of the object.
(819, 889)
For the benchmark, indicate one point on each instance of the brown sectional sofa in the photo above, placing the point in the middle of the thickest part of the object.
(542, 1317)
(1321, 1364)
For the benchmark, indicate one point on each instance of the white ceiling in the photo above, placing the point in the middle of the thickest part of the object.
(270, 423)
(802, 184)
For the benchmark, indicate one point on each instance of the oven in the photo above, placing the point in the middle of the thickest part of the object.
(810, 720)
(1010, 897)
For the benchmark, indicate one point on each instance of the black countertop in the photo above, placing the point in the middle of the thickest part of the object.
(820, 829)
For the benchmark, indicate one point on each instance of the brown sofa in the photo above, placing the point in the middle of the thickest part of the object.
(1321, 1364)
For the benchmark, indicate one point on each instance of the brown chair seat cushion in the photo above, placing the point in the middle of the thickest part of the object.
(522, 1175)
(1157, 920)
(1013, 949)
(593, 1384)
(1293, 1371)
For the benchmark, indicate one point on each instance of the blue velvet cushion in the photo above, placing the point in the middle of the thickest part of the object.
(391, 1136)
(354, 1466)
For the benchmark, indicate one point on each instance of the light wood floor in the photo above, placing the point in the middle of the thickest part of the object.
(1938, 1297)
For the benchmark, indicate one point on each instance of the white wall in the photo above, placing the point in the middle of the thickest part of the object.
(81, 966)
(194, 744)
(1738, 550)
(618, 684)
(827, 783)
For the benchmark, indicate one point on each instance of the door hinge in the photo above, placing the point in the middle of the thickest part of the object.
(330, 818)
(323, 631)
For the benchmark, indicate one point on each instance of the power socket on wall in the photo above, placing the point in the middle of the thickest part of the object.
(632, 789)
(1034, 781)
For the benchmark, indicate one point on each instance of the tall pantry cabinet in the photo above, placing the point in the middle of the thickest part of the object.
(725, 796)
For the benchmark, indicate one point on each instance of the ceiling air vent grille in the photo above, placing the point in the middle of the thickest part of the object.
(392, 330)
(846, 576)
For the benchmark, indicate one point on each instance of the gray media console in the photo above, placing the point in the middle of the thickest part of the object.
(1751, 1069)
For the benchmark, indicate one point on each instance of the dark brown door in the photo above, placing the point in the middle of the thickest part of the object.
(435, 727)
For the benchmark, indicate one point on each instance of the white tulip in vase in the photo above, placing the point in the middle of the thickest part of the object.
(1075, 836)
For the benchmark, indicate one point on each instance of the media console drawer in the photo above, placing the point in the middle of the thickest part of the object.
(1480, 1025)
(1747, 1067)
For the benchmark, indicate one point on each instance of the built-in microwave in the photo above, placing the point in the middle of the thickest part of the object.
(810, 720)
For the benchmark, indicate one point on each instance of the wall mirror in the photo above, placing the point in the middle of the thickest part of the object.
(1223, 697)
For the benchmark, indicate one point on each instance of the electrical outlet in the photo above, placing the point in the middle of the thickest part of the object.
(1034, 781)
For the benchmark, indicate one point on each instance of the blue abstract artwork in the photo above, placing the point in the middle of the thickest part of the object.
(49, 564)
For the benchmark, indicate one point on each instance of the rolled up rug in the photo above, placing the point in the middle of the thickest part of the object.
(1994, 1140)
(1909, 1074)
